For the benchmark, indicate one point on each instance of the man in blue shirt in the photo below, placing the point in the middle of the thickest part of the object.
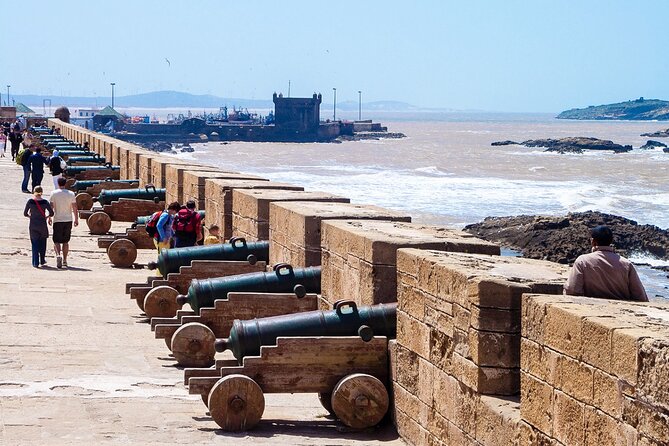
(36, 163)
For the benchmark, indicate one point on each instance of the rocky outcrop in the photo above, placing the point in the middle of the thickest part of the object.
(562, 239)
(658, 134)
(650, 144)
(505, 143)
(638, 110)
(570, 145)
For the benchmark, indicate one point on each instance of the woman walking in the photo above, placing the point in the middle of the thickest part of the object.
(36, 209)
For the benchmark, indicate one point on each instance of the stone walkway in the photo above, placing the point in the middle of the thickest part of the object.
(79, 365)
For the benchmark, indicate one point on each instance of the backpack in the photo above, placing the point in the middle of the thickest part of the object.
(19, 157)
(185, 223)
(152, 224)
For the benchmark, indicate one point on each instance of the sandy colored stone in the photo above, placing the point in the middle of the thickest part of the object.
(569, 420)
(295, 227)
(413, 335)
(497, 420)
(536, 403)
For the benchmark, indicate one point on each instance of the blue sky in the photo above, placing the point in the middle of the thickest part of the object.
(498, 56)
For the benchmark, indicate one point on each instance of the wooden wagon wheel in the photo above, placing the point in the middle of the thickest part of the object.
(99, 223)
(84, 201)
(236, 403)
(168, 342)
(122, 253)
(161, 302)
(360, 400)
(193, 345)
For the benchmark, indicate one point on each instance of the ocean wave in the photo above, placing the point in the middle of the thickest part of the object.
(432, 171)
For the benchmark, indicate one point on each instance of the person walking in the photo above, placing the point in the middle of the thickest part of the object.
(25, 163)
(36, 209)
(15, 140)
(603, 273)
(3, 144)
(57, 167)
(187, 226)
(66, 214)
(37, 162)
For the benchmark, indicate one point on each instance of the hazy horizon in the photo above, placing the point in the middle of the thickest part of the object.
(509, 56)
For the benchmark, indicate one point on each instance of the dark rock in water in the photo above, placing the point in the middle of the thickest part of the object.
(563, 239)
(187, 149)
(504, 143)
(158, 146)
(576, 145)
(666, 150)
(650, 144)
(658, 134)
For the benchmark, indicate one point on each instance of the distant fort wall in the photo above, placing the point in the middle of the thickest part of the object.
(488, 350)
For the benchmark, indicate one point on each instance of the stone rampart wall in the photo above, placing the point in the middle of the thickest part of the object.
(488, 350)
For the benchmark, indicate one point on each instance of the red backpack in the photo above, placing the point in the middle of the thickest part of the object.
(152, 224)
(185, 222)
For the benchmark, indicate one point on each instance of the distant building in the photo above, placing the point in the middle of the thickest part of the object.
(297, 114)
(86, 112)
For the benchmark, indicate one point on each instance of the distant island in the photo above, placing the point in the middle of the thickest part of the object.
(637, 110)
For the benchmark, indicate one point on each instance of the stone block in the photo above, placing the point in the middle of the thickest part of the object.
(600, 428)
(145, 174)
(370, 247)
(539, 361)
(413, 335)
(574, 378)
(295, 227)
(193, 187)
(250, 210)
(219, 199)
(497, 421)
(407, 368)
(409, 429)
(569, 420)
(536, 403)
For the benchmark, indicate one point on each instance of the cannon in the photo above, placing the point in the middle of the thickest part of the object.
(169, 260)
(346, 319)
(82, 160)
(124, 209)
(351, 380)
(149, 192)
(67, 153)
(283, 279)
(108, 183)
(163, 303)
(143, 220)
(191, 337)
(94, 172)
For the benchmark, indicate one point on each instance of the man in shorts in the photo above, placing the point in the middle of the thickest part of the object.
(65, 210)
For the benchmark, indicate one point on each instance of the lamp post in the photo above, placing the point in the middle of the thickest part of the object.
(288, 87)
(8, 104)
(112, 85)
(334, 106)
(359, 105)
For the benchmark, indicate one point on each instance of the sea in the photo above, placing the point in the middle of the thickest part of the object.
(445, 172)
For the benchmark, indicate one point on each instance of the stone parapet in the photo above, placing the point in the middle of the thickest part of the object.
(595, 371)
(359, 256)
(295, 227)
(194, 183)
(219, 199)
(250, 209)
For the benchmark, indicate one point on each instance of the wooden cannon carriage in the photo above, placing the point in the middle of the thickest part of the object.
(349, 374)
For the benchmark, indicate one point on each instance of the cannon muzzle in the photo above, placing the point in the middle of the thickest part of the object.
(152, 265)
(182, 299)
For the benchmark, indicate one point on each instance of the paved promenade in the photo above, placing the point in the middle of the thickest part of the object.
(79, 365)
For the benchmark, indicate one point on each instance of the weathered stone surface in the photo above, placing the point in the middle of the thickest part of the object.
(295, 227)
(497, 420)
(219, 199)
(363, 254)
(250, 210)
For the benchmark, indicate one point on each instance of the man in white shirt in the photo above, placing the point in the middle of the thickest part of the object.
(64, 205)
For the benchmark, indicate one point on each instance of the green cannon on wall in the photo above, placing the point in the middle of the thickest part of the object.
(283, 279)
(170, 260)
(149, 192)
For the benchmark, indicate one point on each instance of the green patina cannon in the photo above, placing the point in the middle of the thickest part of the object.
(145, 218)
(66, 154)
(346, 319)
(170, 260)
(86, 159)
(146, 193)
(82, 185)
(57, 144)
(75, 170)
(284, 279)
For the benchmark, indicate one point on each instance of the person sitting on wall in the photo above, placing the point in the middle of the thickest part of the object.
(603, 273)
